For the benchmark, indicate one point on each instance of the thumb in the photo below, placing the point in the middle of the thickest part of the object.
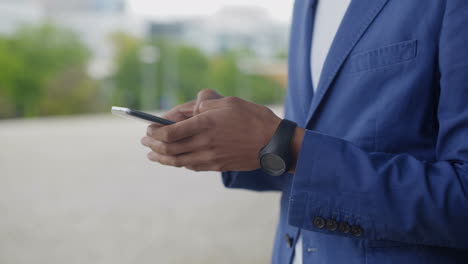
(204, 95)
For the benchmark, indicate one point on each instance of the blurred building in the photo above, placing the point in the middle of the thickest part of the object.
(95, 21)
(60, 6)
(233, 28)
(17, 12)
(92, 20)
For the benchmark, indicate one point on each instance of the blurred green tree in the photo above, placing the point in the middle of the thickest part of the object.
(127, 77)
(225, 74)
(181, 71)
(193, 72)
(43, 72)
(265, 90)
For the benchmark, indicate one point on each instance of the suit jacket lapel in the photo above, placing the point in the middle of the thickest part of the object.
(299, 58)
(358, 18)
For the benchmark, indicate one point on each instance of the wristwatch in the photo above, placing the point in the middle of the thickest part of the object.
(275, 158)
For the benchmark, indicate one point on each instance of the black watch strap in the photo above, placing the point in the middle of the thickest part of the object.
(280, 145)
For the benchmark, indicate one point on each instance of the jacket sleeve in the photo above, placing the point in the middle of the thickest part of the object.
(396, 196)
(252, 180)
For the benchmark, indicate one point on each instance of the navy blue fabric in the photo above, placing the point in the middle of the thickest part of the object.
(386, 146)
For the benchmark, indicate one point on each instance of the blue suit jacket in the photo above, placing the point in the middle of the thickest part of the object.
(382, 175)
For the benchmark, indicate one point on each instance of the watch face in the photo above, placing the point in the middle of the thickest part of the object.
(273, 164)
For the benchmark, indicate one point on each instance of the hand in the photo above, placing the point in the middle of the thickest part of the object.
(187, 110)
(203, 95)
(226, 135)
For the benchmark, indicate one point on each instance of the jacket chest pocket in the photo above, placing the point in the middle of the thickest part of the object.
(381, 58)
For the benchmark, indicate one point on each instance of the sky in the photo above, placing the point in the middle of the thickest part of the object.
(278, 9)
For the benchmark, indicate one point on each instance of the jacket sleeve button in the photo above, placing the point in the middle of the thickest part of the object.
(331, 225)
(344, 228)
(357, 231)
(319, 222)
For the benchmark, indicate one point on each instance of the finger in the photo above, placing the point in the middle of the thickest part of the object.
(146, 141)
(192, 159)
(191, 144)
(180, 112)
(203, 95)
(177, 114)
(218, 103)
(180, 130)
(203, 167)
(164, 160)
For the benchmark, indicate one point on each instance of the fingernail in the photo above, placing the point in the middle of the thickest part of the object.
(149, 131)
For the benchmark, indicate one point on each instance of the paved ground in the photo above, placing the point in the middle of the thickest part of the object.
(80, 190)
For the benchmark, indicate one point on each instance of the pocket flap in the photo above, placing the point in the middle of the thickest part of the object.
(381, 57)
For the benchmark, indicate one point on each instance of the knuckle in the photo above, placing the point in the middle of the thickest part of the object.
(232, 100)
(176, 162)
(166, 162)
(162, 136)
(164, 148)
(172, 149)
(201, 107)
(163, 160)
(153, 146)
(149, 131)
(168, 135)
(154, 126)
(203, 91)
(151, 156)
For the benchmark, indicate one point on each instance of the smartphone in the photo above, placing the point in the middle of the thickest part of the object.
(134, 114)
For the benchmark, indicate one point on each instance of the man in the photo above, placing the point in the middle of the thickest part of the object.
(376, 170)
